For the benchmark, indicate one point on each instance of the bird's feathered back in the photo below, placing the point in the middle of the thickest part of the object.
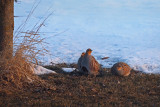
(121, 69)
(80, 61)
(90, 63)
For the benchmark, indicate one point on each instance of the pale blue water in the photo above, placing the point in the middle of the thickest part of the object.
(124, 30)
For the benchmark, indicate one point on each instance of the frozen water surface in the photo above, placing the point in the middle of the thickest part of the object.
(123, 30)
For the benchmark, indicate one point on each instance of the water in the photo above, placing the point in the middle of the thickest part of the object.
(123, 30)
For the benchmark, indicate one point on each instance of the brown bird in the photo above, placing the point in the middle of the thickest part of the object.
(80, 61)
(89, 63)
(121, 69)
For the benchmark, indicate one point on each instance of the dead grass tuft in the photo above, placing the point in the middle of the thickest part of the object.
(16, 71)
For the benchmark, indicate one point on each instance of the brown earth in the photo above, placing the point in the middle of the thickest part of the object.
(75, 89)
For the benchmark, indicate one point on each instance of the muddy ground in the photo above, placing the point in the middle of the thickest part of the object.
(75, 89)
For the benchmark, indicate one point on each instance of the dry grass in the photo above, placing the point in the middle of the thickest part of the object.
(16, 75)
(16, 71)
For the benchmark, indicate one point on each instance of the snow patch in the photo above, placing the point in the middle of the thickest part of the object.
(39, 70)
(68, 69)
(124, 31)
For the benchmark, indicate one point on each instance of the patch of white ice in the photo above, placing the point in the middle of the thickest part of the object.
(39, 70)
(68, 69)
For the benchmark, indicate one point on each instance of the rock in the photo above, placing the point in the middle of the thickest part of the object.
(121, 69)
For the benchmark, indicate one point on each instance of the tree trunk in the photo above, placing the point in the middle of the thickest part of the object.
(6, 27)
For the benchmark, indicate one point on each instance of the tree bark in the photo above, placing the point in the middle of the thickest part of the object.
(6, 27)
